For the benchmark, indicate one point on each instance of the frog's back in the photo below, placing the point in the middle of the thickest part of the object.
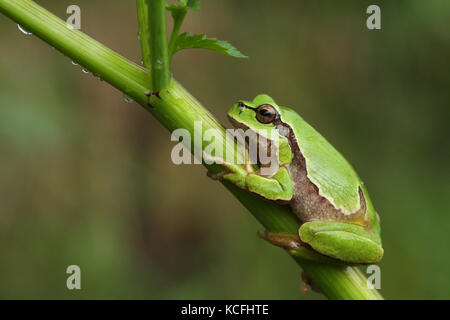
(326, 168)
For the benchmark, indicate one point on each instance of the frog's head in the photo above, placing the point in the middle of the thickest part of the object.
(261, 113)
(262, 117)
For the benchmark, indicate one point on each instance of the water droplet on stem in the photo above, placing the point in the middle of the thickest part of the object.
(127, 98)
(22, 29)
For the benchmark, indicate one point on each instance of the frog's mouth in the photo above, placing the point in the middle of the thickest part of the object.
(236, 124)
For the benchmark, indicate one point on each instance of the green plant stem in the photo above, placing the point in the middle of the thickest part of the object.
(158, 45)
(144, 32)
(178, 109)
(175, 31)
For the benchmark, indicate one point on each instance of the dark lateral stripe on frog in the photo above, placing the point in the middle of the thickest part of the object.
(309, 204)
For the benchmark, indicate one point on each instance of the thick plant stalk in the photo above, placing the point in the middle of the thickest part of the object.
(177, 109)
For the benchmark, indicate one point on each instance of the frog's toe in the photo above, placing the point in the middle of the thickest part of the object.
(307, 281)
(284, 240)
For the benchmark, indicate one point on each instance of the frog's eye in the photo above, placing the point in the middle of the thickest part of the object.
(266, 113)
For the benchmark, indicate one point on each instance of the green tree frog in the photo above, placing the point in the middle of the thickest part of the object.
(338, 220)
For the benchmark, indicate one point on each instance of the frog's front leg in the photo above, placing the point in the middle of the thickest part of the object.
(346, 242)
(276, 187)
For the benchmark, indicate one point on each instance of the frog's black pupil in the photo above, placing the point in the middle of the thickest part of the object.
(266, 114)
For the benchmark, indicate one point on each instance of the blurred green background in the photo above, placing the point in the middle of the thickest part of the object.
(86, 178)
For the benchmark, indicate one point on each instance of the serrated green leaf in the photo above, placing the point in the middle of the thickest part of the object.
(200, 41)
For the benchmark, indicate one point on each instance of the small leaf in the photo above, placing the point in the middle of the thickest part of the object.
(194, 4)
(200, 41)
(189, 4)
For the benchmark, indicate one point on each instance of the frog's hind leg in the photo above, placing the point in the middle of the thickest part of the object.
(349, 243)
